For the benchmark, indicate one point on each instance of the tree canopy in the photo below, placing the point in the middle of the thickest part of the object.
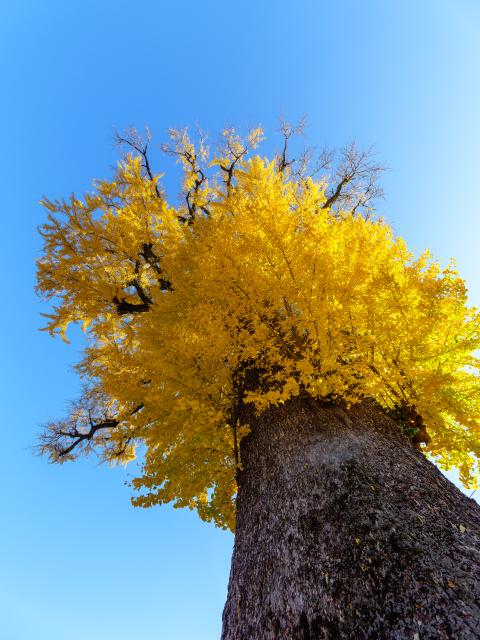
(269, 279)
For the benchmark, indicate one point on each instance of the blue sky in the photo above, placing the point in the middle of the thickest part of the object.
(76, 560)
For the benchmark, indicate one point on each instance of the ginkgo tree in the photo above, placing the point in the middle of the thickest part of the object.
(272, 300)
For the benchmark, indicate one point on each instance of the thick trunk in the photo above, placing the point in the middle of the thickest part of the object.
(345, 530)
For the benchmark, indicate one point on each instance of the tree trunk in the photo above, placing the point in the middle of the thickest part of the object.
(346, 530)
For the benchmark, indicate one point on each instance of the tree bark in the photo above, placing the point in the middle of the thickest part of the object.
(346, 530)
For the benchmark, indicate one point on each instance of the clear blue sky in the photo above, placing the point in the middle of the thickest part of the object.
(77, 562)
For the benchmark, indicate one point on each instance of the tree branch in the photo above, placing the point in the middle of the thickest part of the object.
(60, 439)
(153, 261)
(184, 150)
(288, 130)
(357, 180)
(135, 141)
(336, 194)
(123, 307)
(108, 424)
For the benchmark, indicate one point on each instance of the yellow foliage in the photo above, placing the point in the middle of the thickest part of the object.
(313, 301)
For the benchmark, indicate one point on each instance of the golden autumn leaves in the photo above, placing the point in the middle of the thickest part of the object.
(261, 276)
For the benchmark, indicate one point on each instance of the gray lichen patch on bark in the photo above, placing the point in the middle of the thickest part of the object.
(345, 530)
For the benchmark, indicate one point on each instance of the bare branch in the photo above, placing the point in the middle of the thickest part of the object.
(356, 182)
(337, 193)
(311, 166)
(288, 130)
(90, 424)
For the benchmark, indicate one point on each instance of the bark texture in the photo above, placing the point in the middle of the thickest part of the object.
(345, 530)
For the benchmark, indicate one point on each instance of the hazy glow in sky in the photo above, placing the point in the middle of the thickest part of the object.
(76, 560)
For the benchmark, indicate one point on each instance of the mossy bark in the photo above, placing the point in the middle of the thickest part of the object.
(346, 530)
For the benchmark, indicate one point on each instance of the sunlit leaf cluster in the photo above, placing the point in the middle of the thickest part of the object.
(257, 287)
